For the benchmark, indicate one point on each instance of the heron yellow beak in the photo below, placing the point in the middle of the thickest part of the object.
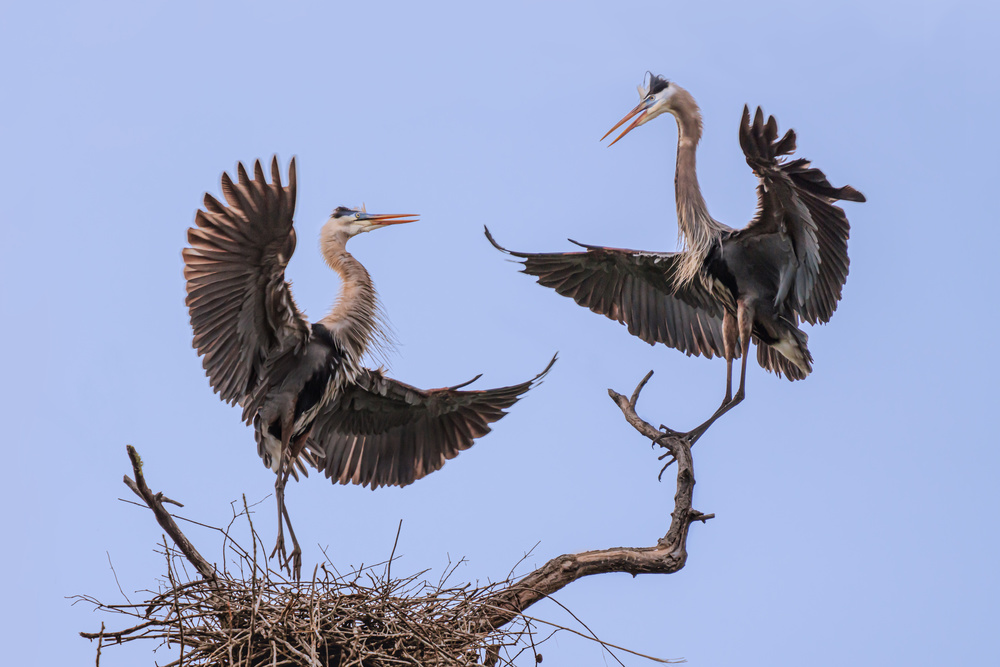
(640, 109)
(386, 219)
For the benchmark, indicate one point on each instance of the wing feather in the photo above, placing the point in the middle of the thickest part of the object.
(636, 289)
(382, 432)
(797, 200)
(241, 307)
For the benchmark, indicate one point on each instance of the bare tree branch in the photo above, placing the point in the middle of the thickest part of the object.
(667, 557)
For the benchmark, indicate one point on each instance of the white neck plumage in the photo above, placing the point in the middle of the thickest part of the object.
(353, 320)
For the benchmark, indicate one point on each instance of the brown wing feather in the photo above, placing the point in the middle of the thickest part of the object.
(241, 308)
(796, 199)
(636, 289)
(381, 432)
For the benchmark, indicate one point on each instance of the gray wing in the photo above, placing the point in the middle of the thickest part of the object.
(381, 432)
(796, 200)
(636, 289)
(241, 308)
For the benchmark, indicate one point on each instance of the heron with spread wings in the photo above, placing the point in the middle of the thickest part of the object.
(727, 286)
(302, 385)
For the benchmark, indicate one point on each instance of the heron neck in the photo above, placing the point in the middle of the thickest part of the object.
(352, 320)
(691, 207)
(697, 230)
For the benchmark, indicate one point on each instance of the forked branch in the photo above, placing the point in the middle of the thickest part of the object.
(667, 557)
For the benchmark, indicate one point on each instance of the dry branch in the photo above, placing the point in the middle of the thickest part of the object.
(226, 619)
(667, 557)
(155, 502)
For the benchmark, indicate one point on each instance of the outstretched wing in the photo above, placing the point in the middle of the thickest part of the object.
(796, 200)
(241, 307)
(381, 432)
(635, 288)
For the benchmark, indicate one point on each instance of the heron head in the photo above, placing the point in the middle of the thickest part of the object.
(655, 98)
(354, 221)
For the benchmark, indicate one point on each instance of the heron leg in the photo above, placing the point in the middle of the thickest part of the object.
(295, 558)
(290, 561)
(285, 463)
(279, 494)
(745, 314)
(741, 326)
(730, 337)
(289, 454)
(698, 431)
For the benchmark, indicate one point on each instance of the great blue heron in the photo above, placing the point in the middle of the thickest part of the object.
(728, 285)
(302, 386)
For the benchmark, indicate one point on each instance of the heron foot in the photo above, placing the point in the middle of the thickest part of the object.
(659, 478)
(692, 436)
(279, 548)
(671, 434)
(290, 561)
(667, 433)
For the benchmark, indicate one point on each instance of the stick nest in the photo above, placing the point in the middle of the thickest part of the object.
(253, 615)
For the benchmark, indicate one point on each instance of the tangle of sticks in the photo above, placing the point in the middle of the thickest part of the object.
(249, 614)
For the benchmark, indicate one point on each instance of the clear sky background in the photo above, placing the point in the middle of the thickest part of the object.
(857, 510)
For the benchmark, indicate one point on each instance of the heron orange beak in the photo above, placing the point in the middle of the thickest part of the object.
(640, 109)
(386, 219)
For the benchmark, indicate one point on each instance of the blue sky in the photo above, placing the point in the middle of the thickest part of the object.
(856, 510)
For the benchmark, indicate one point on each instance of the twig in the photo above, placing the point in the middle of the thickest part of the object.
(166, 521)
(112, 566)
(388, 567)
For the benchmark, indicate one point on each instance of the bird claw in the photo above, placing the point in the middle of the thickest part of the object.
(279, 549)
(667, 433)
(291, 562)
